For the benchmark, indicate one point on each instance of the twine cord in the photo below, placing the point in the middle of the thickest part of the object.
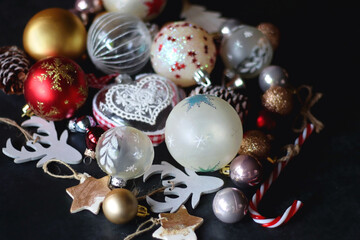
(78, 176)
(22, 130)
(74, 174)
(139, 230)
(305, 112)
(156, 191)
(291, 151)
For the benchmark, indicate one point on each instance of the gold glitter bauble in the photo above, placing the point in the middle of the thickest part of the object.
(54, 32)
(120, 206)
(256, 144)
(278, 99)
(271, 32)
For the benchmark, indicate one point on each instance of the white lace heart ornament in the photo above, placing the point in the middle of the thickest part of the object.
(140, 105)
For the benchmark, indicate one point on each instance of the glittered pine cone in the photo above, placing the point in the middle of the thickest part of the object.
(14, 65)
(237, 100)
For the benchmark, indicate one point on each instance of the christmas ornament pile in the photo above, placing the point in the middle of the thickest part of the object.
(202, 122)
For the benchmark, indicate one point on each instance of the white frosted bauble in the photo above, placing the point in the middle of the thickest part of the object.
(203, 133)
(119, 43)
(144, 9)
(124, 152)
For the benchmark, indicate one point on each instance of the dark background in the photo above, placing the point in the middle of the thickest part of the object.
(318, 47)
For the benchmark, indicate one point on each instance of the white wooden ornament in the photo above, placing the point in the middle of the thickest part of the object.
(196, 185)
(58, 148)
(209, 20)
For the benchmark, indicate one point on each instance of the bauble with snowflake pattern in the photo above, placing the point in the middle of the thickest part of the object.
(203, 133)
(124, 152)
(55, 88)
(245, 50)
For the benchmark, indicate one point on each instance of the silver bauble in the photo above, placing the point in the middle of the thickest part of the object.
(272, 76)
(246, 50)
(229, 26)
(245, 170)
(230, 205)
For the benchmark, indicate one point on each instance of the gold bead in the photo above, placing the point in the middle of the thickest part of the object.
(120, 206)
(54, 32)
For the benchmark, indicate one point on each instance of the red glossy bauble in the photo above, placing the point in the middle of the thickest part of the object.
(55, 88)
(92, 137)
(266, 120)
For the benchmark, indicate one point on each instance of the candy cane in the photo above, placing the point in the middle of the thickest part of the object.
(290, 211)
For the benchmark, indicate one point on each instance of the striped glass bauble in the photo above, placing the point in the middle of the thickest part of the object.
(119, 43)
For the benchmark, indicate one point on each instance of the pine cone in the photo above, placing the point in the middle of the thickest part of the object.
(237, 100)
(14, 65)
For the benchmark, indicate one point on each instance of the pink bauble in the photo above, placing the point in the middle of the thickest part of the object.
(180, 49)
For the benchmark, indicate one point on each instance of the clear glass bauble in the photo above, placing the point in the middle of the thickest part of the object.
(124, 152)
(119, 43)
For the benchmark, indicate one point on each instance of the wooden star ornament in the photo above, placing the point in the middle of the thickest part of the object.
(178, 226)
(88, 194)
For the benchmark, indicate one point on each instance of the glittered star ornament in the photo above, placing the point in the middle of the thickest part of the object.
(178, 226)
(88, 194)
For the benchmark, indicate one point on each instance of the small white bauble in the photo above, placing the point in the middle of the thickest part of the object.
(203, 133)
(144, 9)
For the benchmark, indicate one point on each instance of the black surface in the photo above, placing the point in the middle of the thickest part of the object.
(317, 48)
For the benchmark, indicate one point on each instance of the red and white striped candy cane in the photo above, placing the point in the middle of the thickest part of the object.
(290, 211)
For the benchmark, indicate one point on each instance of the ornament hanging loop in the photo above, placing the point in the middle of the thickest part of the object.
(202, 77)
(116, 182)
(142, 211)
(124, 78)
(140, 229)
(153, 29)
(74, 174)
(225, 170)
(27, 111)
(232, 80)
